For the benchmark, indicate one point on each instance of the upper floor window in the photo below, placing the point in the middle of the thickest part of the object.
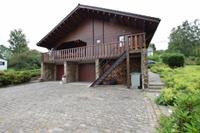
(2, 63)
(121, 41)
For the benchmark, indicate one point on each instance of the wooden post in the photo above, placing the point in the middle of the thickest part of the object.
(127, 63)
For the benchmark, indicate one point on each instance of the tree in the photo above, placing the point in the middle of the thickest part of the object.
(21, 57)
(185, 39)
(18, 42)
(4, 52)
(153, 46)
(26, 60)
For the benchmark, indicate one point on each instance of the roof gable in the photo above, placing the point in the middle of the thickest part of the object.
(77, 14)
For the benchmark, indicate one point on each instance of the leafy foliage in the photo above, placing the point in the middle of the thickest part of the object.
(183, 92)
(26, 60)
(173, 59)
(179, 80)
(186, 39)
(20, 56)
(18, 42)
(186, 116)
(17, 77)
(5, 52)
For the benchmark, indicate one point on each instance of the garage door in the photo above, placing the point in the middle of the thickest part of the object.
(59, 72)
(87, 72)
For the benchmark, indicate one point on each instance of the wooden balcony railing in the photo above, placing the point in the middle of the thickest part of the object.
(88, 52)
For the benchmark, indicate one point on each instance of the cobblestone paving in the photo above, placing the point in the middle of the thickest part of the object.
(50, 107)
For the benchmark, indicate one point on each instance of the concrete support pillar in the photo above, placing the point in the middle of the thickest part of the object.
(97, 68)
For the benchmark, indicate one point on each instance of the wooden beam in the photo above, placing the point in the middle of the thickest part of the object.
(127, 65)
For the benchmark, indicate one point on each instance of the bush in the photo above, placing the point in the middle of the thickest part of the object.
(183, 92)
(167, 97)
(17, 77)
(198, 61)
(173, 60)
(185, 117)
(155, 58)
(27, 60)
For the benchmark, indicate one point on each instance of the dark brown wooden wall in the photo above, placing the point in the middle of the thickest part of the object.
(93, 29)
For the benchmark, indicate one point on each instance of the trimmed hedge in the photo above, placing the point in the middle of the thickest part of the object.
(17, 77)
(173, 60)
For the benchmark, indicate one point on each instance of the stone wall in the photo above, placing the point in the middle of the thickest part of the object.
(71, 72)
(48, 71)
(119, 74)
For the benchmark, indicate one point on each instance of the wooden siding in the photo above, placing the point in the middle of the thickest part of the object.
(93, 29)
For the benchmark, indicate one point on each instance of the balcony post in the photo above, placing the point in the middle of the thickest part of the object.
(127, 63)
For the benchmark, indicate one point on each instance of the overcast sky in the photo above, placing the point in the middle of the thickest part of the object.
(37, 17)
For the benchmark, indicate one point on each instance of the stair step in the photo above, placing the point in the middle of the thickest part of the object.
(156, 84)
(114, 65)
(153, 90)
(156, 87)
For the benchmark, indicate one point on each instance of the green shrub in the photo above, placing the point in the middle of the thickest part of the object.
(173, 60)
(12, 77)
(167, 97)
(198, 61)
(155, 58)
(185, 117)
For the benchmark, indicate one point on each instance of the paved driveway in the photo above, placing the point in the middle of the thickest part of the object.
(52, 107)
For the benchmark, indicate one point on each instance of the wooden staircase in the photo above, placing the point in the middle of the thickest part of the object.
(114, 65)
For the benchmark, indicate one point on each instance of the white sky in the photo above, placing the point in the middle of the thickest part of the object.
(37, 17)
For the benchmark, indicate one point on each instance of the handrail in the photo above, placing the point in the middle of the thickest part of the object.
(109, 50)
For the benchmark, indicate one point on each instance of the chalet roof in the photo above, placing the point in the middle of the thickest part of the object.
(76, 15)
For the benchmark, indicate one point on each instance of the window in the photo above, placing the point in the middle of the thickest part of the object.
(121, 41)
(2, 63)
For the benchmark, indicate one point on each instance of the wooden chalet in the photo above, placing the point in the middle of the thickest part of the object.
(98, 45)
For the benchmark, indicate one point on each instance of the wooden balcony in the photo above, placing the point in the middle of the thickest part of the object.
(135, 43)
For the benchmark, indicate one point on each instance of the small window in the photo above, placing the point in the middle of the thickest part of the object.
(121, 41)
(2, 63)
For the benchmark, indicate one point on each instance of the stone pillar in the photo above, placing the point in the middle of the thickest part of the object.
(97, 69)
(70, 72)
(48, 71)
(55, 72)
(65, 73)
(42, 71)
(144, 68)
